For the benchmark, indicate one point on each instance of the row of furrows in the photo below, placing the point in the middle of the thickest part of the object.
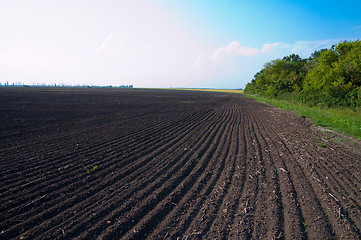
(226, 208)
(213, 163)
(223, 225)
(313, 215)
(338, 185)
(339, 192)
(343, 178)
(241, 183)
(189, 165)
(287, 212)
(69, 112)
(149, 211)
(40, 124)
(66, 162)
(250, 182)
(269, 221)
(343, 167)
(55, 161)
(245, 222)
(339, 177)
(234, 214)
(66, 194)
(80, 126)
(215, 178)
(254, 219)
(53, 144)
(318, 216)
(342, 203)
(149, 158)
(47, 132)
(200, 213)
(346, 196)
(58, 130)
(208, 217)
(127, 189)
(342, 162)
(50, 142)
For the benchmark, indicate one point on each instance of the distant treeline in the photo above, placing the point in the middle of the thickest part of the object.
(19, 84)
(329, 77)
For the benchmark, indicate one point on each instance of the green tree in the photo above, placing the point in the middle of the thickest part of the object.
(336, 78)
(279, 76)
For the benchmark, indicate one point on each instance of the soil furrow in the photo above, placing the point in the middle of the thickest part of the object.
(165, 164)
(200, 193)
(185, 179)
(332, 207)
(312, 211)
(152, 181)
(274, 226)
(81, 193)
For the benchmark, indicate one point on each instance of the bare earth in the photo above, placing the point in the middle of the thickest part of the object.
(153, 164)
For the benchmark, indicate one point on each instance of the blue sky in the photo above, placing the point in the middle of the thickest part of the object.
(163, 43)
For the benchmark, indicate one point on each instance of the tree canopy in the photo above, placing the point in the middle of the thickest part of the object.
(331, 77)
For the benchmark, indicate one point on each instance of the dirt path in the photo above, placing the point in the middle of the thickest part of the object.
(151, 164)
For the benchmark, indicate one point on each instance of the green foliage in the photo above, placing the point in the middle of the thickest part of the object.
(321, 144)
(92, 169)
(330, 77)
(336, 78)
(279, 76)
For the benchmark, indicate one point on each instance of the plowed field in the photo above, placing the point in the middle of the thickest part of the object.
(154, 164)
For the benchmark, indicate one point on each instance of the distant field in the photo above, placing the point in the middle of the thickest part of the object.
(210, 90)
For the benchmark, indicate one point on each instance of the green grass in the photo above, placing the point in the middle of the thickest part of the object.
(342, 120)
(93, 168)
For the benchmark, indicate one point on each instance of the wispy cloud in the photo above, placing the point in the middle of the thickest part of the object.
(235, 49)
(244, 61)
(273, 50)
(305, 48)
(223, 56)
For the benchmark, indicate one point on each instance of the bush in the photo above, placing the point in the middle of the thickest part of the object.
(330, 77)
(336, 78)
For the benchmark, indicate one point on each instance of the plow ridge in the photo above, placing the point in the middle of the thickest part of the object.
(152, 164)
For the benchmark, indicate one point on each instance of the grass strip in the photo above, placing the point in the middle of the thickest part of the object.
(342, 120)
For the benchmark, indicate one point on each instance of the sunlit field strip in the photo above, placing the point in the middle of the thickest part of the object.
(207, 90)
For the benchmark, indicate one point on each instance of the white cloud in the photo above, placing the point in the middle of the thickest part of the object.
(269, 50)
(225, 56)
(235, 49)
(306, 48)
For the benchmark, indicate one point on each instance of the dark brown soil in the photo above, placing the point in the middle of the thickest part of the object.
(78, 163)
